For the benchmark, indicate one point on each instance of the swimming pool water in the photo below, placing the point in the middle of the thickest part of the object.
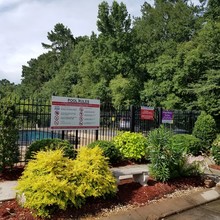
(33, 135)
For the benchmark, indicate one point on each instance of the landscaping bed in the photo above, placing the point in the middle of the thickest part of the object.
(129, 195)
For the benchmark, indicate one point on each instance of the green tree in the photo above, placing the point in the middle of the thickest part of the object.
(6, 88)
(124, 91)
(60, 38)
(115, 40)
(213, 10)
(9, 151)
(197, 79)
(37, 72)
(205, 130)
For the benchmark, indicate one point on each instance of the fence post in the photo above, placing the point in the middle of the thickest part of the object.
(160, 111)
(96, 135)
(132, 119)
(76, 139)
(62, 135)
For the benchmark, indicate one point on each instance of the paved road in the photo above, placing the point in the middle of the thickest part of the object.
(209, 211)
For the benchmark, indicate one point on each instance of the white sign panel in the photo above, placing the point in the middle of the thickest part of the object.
(74, 113)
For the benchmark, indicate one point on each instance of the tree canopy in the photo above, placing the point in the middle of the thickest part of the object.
(167, 57)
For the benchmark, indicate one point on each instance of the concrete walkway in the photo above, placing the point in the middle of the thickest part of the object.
(167, 207)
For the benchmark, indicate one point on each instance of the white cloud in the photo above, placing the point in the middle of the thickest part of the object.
(25, 23)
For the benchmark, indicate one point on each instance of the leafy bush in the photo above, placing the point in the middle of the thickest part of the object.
(158, 140)
(168, 159)
(131, 145)
(53, 144)
(215, 150)
(92, 173)
(190, 143)
(46, 183)
(9, 134)
(109, 150)
(205, 130)
(52, 181)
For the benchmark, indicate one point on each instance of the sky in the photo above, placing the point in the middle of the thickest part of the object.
(24, 25)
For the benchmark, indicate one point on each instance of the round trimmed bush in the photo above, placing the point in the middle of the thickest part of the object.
(205, 130)
(131, 145)
(52, 144)
(109, 150)
(190, 143)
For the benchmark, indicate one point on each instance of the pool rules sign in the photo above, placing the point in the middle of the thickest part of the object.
(74, 113)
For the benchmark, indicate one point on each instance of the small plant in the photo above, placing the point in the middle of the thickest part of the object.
(215, 150)
(205, 130)
(109, 150)
(52, 181)
(131, 145)
(9, 134)
(190, 143)
(52, 144)
(158, 140)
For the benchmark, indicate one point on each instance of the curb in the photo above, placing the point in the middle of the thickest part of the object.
(168, 207)
(7, 190)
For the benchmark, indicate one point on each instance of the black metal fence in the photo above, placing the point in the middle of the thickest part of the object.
(34, 124)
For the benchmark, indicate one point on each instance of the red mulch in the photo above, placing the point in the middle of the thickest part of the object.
(214, 166)
(129, 192)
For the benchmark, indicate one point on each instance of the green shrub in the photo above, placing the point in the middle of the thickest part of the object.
(158, 140)
(131, 145)
(190, 143)
(9, 134)
(205, 130)
(215, 150)
(53, 144)
(168, 159)
(52, 181)
(109, 150)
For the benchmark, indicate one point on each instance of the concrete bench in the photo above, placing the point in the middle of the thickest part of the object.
(138, 172)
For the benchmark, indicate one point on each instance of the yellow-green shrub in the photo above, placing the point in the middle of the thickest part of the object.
(94, 177)
(46, 182)
(131, 145)
(52, 181)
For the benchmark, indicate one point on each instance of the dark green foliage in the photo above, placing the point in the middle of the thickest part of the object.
(158, 141)
(167, 57)
(168, 159)
(109, 150)
(205, 130)
(6, 88)
(9, 151)
(188, 142)
(60, 38)
(215, 150)
(50, 144)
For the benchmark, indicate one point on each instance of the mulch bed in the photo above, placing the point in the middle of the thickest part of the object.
(214, 166)
(129, 193)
